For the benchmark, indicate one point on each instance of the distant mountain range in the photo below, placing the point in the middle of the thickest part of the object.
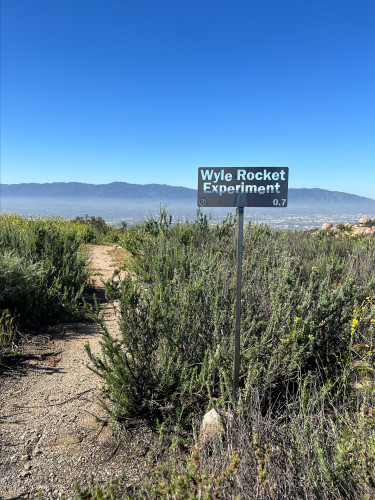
(164, 193)
(113, 190)
(323, 197)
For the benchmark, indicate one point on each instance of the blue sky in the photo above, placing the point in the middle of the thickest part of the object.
(147, 91)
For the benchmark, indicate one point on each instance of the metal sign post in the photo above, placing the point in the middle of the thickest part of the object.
(242, 187)
(237, 339)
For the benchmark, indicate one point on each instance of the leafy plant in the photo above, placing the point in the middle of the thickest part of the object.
(43, 269)
(304, 421)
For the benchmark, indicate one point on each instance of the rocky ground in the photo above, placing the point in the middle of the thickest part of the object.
(53, 433)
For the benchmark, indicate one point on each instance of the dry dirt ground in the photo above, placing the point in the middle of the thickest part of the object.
(50, 438)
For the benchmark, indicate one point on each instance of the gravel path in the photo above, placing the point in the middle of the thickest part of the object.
(49, 436)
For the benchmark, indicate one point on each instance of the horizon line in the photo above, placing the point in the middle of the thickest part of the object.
(159, 184)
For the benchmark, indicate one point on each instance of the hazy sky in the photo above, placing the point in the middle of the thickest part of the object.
(147, 91)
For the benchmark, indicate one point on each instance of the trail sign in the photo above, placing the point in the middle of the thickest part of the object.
(243, 187)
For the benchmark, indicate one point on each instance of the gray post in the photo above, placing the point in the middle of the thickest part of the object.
(237, 339)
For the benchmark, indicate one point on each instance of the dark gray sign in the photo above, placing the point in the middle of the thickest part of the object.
(243, 187)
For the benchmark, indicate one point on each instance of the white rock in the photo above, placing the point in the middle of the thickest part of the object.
(363, 220)
(326, 226)
(214, 424)
(211, 426)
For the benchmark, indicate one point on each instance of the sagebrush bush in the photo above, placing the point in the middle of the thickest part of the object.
(44, 268)
(299, 294)
(304, 420)
(19, 280)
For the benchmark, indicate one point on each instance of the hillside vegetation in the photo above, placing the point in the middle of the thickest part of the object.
(304, 424)
(43, 273)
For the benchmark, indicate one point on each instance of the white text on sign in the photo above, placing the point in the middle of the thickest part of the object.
(241, 175)
(251, 186)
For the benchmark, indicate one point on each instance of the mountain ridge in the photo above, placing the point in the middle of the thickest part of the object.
(164, 192)
(85, 190)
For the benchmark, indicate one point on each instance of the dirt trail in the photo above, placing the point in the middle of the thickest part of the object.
(49, 437)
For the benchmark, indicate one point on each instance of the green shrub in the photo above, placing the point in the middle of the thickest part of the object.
(94, 228)
(43, 269)
(111, 490)
(183, 480)
(20, 279)
(175, 353)
(305, 418)
(172, 334)
(8, 327)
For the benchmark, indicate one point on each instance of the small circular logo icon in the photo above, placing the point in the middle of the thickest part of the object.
(202, 202)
